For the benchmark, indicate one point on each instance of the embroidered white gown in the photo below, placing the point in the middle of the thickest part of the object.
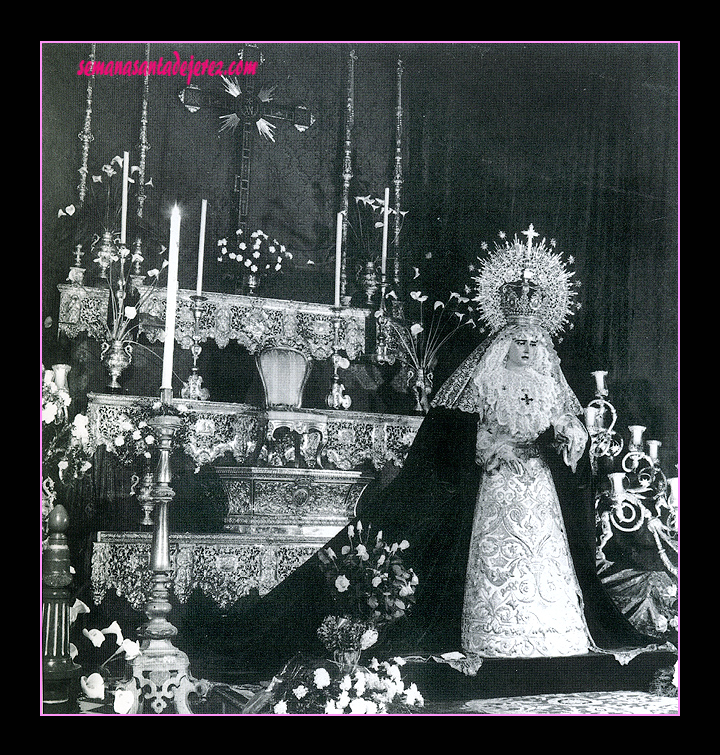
(522, 598)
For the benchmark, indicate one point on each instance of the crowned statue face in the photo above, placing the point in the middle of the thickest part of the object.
(522, 350)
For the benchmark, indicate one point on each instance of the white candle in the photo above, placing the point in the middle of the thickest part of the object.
(600, 382)
(126, 179)
(636, 433)
(171, 304)
(338, 256)
(653, 446)
(386, 210)
(591, 413)
(201, 248)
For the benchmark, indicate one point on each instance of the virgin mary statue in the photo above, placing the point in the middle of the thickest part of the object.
(494, 499)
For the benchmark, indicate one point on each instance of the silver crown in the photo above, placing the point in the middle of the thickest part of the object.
(525, 283)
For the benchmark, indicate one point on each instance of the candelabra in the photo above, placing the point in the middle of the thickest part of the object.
(161, 673)
(337, 399)
(193, 388)
(600, 420)
(638, 497)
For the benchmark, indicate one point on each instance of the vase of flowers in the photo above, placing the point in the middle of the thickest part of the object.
(99, 223)
(365, 226)
(254, 257)
(417, 343)
(370, 586)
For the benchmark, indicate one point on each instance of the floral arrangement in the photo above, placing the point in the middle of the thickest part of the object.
(102, 685)
(66, 455)
(369, 584)
(322, 688)
(99, 220)
(135, 438)
(259, 255)
(418, 340)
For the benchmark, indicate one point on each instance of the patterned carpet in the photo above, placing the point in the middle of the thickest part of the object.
(620, 703)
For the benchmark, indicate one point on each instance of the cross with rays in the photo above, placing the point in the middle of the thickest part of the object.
(249, 111)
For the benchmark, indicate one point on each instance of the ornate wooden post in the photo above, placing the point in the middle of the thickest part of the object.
(59, 670)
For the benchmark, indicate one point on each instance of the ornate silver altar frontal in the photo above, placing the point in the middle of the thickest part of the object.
(212, 429)
(254, 322)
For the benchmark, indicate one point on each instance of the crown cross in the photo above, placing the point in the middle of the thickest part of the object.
(531, 233)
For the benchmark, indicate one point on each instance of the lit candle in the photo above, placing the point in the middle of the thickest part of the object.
(126, 179)
(201, 247)
(599, 375)
(171, 302)
(673, 499)
(386, 210)
(338, 256)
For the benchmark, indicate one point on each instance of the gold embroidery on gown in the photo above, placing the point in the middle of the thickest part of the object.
(522, 598)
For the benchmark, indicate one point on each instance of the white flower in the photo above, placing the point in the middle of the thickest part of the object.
(120, 440)
(131, 648)
(403, 545)
(77, 608)
(376, 581)
(93, 686)
(362, 552)
(342, 583)
(368, 639)
(95, 636)
(300, 691)
(124, 701)
(331, 709)
(345, 683)
(343, 701)
(321, 678)
(413, 696)
(280, 707)
(49, 413)
(358, 706)
(130, 313)
(114, 628)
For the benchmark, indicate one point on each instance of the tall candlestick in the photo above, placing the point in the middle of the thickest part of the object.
(171, 302)
(126, 179)
(386, 210)
(201, 248)
(338, 256)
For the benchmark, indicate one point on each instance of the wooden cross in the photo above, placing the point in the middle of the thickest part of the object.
(250, 109)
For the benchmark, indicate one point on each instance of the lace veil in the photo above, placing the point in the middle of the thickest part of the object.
(460, 390)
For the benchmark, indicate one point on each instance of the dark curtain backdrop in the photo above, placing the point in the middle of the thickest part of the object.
(578, 139)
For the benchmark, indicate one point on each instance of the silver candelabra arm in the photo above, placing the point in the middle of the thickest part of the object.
(193, 388)
(337, 398)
